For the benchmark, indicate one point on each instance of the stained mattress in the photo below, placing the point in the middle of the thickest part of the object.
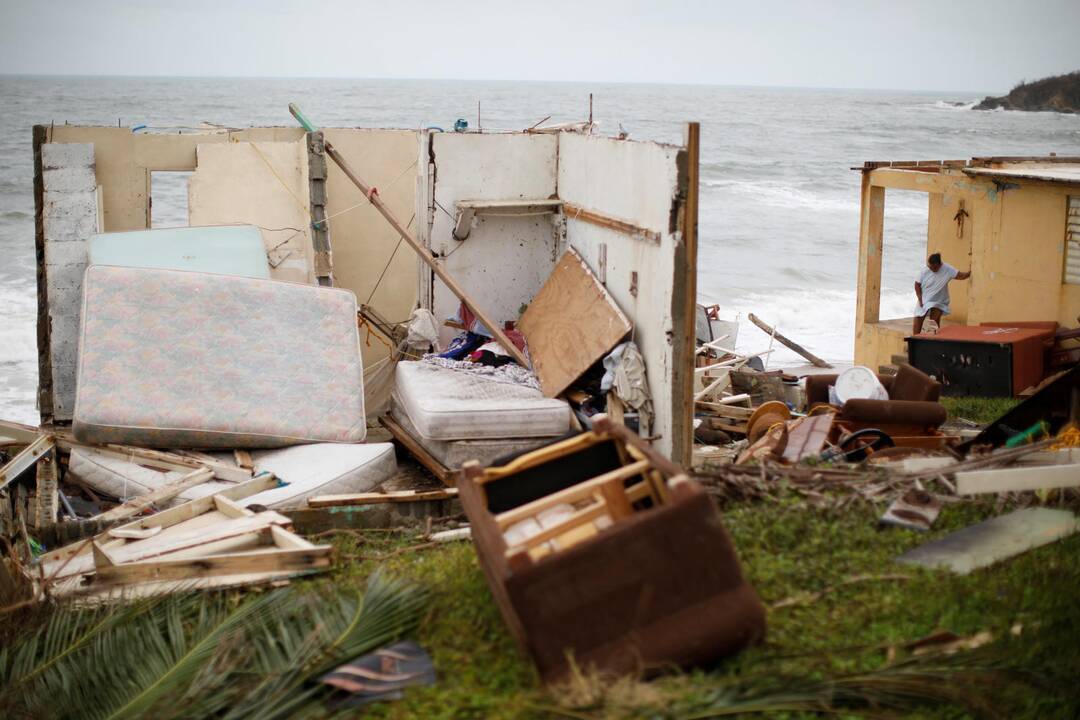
(455, 453)
(322, 469)
(445, 404)
(180, 359)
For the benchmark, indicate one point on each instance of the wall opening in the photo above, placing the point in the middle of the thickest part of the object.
(168, 203)
(903, 252)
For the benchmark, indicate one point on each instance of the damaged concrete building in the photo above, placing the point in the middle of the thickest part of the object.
(497, 208)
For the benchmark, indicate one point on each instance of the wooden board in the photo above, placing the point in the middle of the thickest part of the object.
(440, 471)
(570, 324)
(375, 498)
(1017, 479)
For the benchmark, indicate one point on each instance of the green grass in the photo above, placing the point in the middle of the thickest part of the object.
(786, 550)
(977, 409)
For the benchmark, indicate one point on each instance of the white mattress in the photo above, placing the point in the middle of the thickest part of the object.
(322, 469)
(122, 479)
(455, 453)
(445, 404)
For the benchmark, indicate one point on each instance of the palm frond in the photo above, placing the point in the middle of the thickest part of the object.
(200, 655)
(972, 683)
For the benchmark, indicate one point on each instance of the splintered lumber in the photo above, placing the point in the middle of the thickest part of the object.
(372, 195)
(1017, 479)
(18, 431)
(161, 459)
(570, 324)
(165, 492)
(25, 459)
(376, 498)
(814, 359)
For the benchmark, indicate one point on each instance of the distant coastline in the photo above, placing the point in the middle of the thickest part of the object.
(1060, 93)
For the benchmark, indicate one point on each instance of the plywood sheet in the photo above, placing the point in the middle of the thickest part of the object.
(570, 324)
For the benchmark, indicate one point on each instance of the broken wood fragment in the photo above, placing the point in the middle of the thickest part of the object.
(375, 498)
(814, 359)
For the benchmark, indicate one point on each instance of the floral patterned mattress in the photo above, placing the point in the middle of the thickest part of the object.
(177, 359)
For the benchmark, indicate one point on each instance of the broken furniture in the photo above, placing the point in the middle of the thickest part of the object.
(448, 416)
(222, 249)
(911, 416)
(600, 553)
(1057, 403)
(984, 360)
(214, 541)
(184, 359)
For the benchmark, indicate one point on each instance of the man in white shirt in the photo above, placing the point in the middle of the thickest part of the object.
(932, 290)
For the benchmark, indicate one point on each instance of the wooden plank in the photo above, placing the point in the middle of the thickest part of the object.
(684, 301)
(142, 549)
(159, 459)
(167, 518)
(609, 222)
(230, 508)
(871, 234)
(25, 459)
(570, 324)
(436, 468)
(975, 482)
(165, 492)
(791, 344)
(377, 498)
(254, 561)
(17, 431)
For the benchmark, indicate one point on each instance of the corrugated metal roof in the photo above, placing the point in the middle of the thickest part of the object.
(1049, 172)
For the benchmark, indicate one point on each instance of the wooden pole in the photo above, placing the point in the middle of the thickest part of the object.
(372, 194)
(814, 359)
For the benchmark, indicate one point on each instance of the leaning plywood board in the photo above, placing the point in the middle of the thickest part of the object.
(570, 324)
(993, 540)
(1017, 479)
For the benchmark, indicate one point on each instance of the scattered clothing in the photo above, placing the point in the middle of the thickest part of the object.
(460, 347)
(935, 289)
(423, 331)
(625, 374)
(511, 374)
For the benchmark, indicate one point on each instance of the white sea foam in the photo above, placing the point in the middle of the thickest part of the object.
(944, 105)
(781, 194)
(822, 321)
(18, 353)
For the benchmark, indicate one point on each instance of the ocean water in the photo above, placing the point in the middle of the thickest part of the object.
(779, 202)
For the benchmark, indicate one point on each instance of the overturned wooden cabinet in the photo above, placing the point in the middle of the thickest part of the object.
(600, 553)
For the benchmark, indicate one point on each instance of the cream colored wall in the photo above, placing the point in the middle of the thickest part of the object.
(361, 240)
(876, 344)
(125, 161)
(1020, 266)
(263, 184)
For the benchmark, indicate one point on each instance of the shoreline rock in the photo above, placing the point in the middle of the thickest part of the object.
(1060, 93)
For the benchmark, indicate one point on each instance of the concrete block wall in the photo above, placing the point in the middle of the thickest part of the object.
(70, 216)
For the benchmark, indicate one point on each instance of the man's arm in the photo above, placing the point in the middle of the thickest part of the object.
(918, 291)
(963, 275)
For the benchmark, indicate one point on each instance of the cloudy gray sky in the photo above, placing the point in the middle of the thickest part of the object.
(903, 44)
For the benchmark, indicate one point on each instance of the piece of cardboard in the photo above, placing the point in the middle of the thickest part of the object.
(570, 324)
